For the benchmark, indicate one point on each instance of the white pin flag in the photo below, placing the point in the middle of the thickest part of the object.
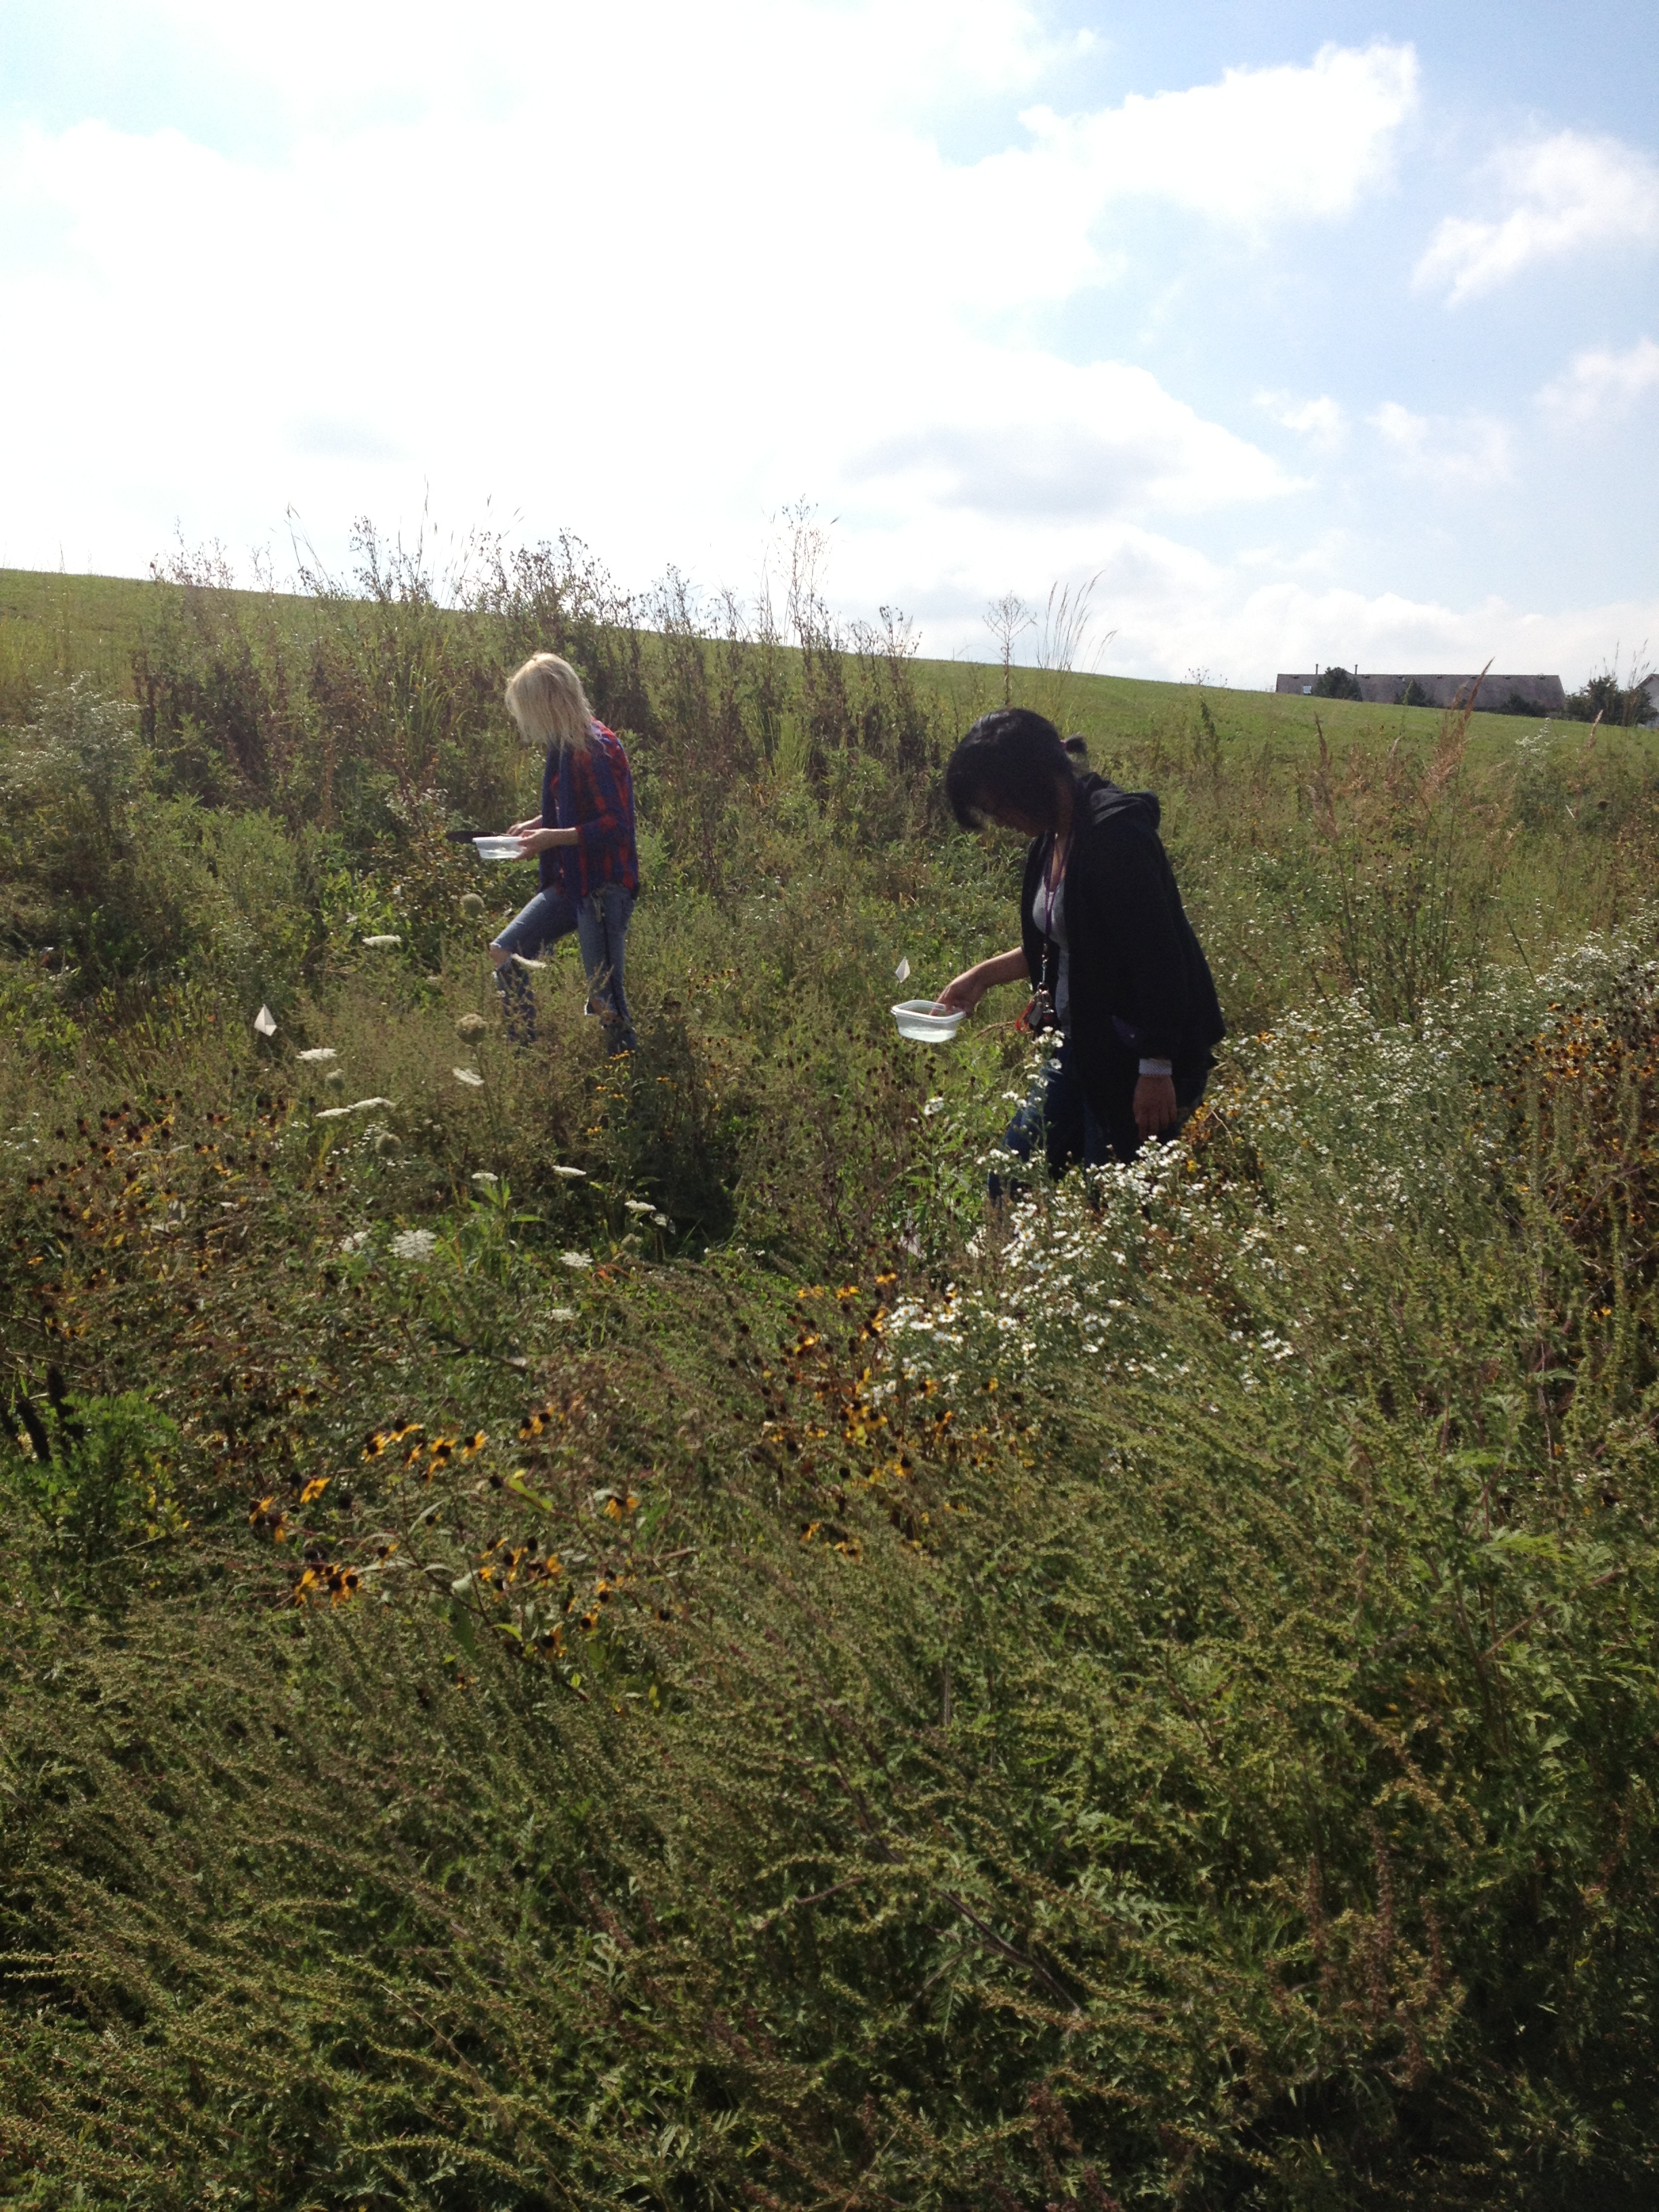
(902, 971)
(265, 1022)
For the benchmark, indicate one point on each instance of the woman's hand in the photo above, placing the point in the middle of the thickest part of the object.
(1155, 1104)
(541, 841)
(523, 829)
(964, 993)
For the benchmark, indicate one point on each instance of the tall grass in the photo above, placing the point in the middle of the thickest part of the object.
(580, 1639)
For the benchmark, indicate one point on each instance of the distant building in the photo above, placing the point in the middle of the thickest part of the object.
(1543, 694)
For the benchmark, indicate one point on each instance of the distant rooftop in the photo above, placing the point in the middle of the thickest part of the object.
(1543, 693)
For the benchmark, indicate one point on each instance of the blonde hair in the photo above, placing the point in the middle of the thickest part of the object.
(546, 700)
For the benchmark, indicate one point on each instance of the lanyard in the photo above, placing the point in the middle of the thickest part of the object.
(1053, 880)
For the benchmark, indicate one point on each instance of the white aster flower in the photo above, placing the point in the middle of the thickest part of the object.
(483, 1175)
(572, 1174)
(578, 1260)
(469, 1076)
(414, 1244)
(561, 1313)
(639, 1206)
(356, 1242)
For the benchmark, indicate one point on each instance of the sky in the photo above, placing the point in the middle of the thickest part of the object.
(1302, 333)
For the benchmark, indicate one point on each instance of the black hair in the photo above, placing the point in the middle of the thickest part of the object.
(1011, 758)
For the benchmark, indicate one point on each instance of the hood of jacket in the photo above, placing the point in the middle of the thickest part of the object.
(1105, 801)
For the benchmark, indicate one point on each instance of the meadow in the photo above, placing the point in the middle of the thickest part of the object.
(579, 1635)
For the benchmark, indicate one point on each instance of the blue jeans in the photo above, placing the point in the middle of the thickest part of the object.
(1056, 1113)
(600, 921)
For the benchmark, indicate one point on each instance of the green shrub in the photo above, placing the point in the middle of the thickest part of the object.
(95, 1474)
(98, 867)
(1337, 683)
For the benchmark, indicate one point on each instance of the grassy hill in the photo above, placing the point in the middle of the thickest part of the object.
(56, 626)
(578, 1634)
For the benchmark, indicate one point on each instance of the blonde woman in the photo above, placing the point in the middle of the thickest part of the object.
(583, 838)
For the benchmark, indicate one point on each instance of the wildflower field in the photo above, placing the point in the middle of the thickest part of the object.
(578, 1635)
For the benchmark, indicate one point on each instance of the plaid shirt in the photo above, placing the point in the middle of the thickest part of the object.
(591, 791)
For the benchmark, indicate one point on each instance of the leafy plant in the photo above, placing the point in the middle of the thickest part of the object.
(96, 1474)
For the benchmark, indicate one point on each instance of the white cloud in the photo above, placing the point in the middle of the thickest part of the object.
(1572, 194)
(1025, 434)
(1264, 145)
(324, 58)
(657, 339)
(1472, 449)
(1299, 625)
(1598, 383)
(1173, 607)
(651, 272)
(1323, 421)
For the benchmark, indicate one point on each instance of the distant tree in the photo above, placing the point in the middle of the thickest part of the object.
(1414, 694)
(1615, 703)
(1336, 684)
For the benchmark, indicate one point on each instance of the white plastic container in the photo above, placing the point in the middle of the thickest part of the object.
(923, 1021)
(499, 848)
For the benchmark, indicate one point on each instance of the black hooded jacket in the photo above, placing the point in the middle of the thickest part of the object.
(1139, 985)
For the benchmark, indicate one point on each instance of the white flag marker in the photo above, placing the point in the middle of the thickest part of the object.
(265, 1022)
(902, 971)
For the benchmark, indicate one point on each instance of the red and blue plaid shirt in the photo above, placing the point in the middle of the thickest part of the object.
(591, 793)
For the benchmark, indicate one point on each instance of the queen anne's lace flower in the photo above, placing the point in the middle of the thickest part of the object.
(414, 1244)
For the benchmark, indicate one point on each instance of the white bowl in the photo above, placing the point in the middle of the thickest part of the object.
(923, 1021)
(499, 848)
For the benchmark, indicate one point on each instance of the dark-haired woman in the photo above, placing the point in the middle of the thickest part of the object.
(1103, 938)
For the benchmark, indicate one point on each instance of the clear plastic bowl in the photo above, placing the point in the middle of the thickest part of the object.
(498, 848)
(925, 1021)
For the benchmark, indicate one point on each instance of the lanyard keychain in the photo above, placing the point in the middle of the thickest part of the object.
(1040, 1016)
